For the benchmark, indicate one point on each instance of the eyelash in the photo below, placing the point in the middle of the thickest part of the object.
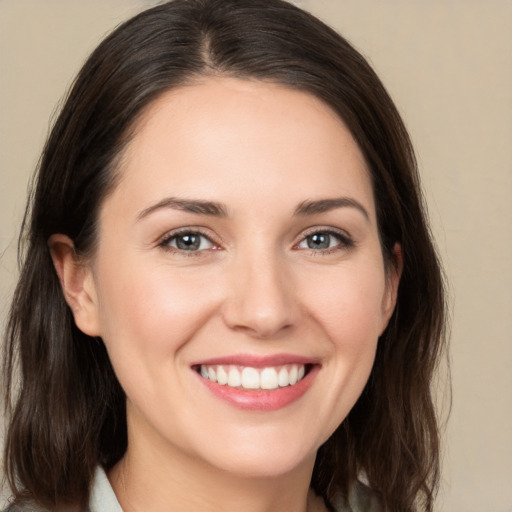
(168, 238)
(345, 242)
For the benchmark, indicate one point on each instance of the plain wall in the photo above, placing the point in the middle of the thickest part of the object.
(448, 65)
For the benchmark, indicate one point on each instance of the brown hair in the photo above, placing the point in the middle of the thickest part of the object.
(67, 412)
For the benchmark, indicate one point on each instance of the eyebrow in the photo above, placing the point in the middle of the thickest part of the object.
(325, 205)
(216, 209)
(187, 205)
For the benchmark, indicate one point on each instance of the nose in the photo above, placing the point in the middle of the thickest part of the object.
(261, 300)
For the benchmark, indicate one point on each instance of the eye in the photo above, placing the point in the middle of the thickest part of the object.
(325, 240)
(191, 241)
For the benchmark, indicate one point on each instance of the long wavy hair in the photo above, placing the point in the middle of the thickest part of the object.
(65, 406)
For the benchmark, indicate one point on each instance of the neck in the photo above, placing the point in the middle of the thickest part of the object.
(180, 488)
(152, 478)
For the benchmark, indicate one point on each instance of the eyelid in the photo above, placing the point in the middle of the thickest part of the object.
(163, 241)
(346, 240)
(325, 229)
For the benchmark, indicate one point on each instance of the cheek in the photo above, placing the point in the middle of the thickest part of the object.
(149, 313)
(346, 305)
(349, 304)
(350, 313)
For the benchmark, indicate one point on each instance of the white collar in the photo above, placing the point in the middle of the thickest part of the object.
(102, 497)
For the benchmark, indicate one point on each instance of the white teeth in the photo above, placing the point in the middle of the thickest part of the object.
(250, 378)
(283, 379)
(222, 376)
(234, 379)
(211, 374)
(254, 378)
(293, 375)
(269, 378)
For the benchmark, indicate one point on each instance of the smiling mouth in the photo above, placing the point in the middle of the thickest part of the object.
(250, 378)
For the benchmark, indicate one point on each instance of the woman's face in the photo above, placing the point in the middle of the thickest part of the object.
(239, 284)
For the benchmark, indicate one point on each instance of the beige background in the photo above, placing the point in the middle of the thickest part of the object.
(448, 64)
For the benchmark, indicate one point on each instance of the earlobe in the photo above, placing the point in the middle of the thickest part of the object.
(393, 275)
(77, 284)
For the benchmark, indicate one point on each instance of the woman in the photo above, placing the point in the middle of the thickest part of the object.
(229, 298)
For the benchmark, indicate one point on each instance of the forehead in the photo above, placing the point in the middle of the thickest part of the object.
(225, 138)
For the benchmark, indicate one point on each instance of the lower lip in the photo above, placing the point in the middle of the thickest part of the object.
(261, 400)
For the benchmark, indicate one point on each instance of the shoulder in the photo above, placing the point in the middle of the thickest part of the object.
(30, 506)
(102, 498)
(360, 499)
(363, 499)
(24, 507)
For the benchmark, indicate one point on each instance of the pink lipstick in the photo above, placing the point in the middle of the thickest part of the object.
(258, 383)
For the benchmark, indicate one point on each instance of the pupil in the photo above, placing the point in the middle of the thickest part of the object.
(318, 241)
(188, 242)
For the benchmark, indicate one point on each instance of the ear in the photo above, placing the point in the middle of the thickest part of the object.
(393, 274)
(77, 284)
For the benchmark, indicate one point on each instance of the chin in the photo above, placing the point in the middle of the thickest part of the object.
(263, 458)
(265, 467)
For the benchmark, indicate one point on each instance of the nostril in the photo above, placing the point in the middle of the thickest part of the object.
(260, 302)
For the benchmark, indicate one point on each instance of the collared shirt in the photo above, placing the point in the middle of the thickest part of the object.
(102, 497)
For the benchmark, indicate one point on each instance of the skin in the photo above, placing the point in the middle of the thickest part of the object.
(254, 287)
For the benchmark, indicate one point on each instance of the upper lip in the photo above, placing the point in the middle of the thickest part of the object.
(258, 361)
